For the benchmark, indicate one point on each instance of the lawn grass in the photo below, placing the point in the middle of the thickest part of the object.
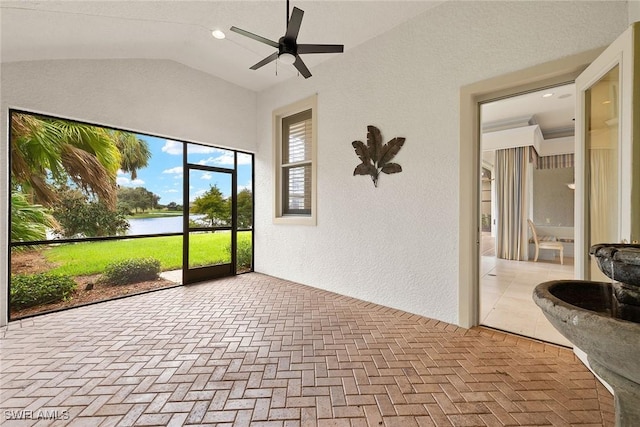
(77, 259)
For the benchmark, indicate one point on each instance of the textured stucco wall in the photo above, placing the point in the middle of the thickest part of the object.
(634, 11)
(397, 244)
(154, 96)
(163, 98)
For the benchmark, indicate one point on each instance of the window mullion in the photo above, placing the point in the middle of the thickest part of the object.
(294, 164)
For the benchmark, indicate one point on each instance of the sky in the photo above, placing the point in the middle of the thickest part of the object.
(163, 175)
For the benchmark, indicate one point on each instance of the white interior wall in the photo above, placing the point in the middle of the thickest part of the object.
(397, 244)
(634, 11)
(158, 97)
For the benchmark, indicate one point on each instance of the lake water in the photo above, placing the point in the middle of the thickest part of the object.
(142, 226)
(164, 224)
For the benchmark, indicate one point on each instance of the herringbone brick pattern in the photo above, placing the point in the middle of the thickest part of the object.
(254, 350)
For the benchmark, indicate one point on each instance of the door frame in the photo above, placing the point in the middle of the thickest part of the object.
(198, 274)
(538, 77)
(629, 130)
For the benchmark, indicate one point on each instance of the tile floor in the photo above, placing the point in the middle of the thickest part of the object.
(506, 302)
(258, 351)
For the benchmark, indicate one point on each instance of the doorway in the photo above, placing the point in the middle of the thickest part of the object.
(209, 239)
(586, 70)
(218, 224)
(527, 174)
(471, 96)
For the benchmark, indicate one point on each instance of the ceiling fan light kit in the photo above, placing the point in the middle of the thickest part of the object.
(288, 48)
(287, 58)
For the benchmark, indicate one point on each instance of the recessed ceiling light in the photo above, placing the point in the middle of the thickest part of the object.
(218, 34)
(564, 96)
(548, 95)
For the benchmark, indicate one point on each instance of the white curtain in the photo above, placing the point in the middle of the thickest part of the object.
(511, 202)
(603, 195)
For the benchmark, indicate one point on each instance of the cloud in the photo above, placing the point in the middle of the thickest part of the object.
(195, 194)
(206, 176)
(172, 147)
(126, 182)
(177, 169)
(226, 159)
(175, 148)
(201, 149)
(219, 157)
(171, 191)
(244, 159)
(244, 187)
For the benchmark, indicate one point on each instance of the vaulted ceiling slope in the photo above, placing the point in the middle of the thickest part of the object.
(181, 31)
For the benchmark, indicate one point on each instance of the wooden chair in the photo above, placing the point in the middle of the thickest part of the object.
(545, 244)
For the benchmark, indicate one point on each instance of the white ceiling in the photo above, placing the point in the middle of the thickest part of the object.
(554, 114)
(181, 31)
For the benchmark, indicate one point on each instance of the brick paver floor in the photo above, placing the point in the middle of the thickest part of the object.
(254, 350)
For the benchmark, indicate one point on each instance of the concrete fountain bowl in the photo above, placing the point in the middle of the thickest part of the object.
(621, 263)
(592, 316)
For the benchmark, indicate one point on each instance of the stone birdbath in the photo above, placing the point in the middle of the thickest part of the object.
(603, 320)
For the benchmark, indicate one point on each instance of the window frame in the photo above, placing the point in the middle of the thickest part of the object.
(279, 216)
(5, 289)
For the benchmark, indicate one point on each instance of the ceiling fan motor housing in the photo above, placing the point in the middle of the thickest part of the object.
(287, 45)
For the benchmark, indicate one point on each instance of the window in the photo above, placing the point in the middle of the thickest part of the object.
(294, 149)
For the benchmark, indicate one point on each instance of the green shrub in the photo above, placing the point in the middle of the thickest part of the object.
(244, 254)
(28, 290)
(131, 271)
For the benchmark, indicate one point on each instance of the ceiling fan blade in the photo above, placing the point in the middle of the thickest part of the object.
(254, 36)
(265, 61)
(293, 27)
(302, 67)
(320, 48)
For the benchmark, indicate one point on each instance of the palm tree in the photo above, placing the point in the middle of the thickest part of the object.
(43, 148)
(28, 222)
(135, 152)
(48, 153)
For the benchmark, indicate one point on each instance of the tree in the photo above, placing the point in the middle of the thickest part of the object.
(46, 149)
(134, 151)
(173, 206)
(77, 216)
(47, 155)
(245, 208)
(214, 206)
(28, 222)
(132, 199)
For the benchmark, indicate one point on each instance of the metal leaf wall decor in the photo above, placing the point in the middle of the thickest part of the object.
(376, 157)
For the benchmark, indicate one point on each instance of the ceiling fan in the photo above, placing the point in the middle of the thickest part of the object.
(289, 50)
